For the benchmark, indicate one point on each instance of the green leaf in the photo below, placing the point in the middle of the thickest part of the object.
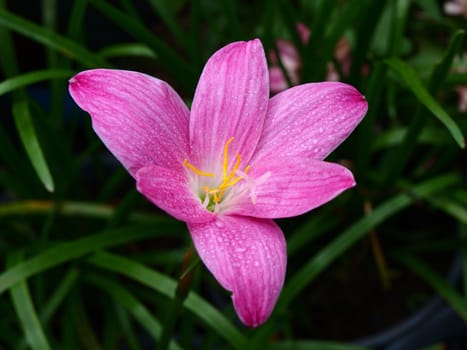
(441, 70)
(128, 49)
(60, 292)
(167, 16)
(172, 61)
(355, 232)
(50, 39)
(64, 252)
(24, 307)
(137, 309)
(32, 78)
(167, 286)
(31, 143)
(327, 255)
(437, 282)
(414, 83)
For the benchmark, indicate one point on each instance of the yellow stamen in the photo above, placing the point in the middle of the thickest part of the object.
(196, 170)
(228, 178)
(225, 164)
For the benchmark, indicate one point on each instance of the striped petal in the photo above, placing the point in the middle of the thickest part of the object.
(140, 119)
(247, 256)
(230, 101)
(310, 120)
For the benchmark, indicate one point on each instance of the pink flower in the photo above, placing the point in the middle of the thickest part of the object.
(292, 62)
(460, 66)
(462, 93)
(232, 164)
(456, 8)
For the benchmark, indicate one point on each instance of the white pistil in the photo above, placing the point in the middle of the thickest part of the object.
(252, 184)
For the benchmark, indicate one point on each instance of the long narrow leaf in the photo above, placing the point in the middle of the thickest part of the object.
(414, 83)
(311, 269)
(173, 62)
(24, 307)
(355, 232)
(137, 309)
(32, 78)
(31, 143)
(50, 39)
(166, 15)
(166, 286)
(437, 282)
(63, 252)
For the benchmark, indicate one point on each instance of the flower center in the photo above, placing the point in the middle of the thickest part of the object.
(212, 196)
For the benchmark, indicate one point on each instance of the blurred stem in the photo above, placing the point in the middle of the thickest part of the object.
(400, 10)
(86, 334)
(8, 56)
(230, 8)
(281, 66)
(67, 208)
(196, 35)
(61, 291)
(190, 261)
(49, 18)
(314, 62)
(366, 28)
(373, 94)
(378, 254)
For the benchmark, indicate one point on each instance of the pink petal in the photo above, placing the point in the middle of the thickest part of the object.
(303, 32)
(277, 80)
(141, 119)
(248, 257)
(310, 120)
(288, 54)
(170, 191)
(284, 187)
(230, 101)
(453, 8)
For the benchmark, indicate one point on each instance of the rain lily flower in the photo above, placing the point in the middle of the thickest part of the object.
(456, 8)
(460, 66)
(232, 164)
(292, 62)
(462, 94)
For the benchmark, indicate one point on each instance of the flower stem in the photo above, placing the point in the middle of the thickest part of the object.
(378, 254)
(190, 261)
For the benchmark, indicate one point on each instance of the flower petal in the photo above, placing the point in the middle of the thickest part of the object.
(230, 101)
(141, 119)
(285, 187)
(277, 80)
(170, 191)
(310, 120)
(248, 257)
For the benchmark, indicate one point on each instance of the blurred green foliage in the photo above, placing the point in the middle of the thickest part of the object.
(87, 263)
